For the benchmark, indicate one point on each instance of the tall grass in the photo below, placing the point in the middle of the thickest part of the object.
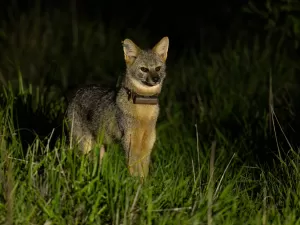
(225, 150)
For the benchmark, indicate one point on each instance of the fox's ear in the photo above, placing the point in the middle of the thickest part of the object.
(161, 48)
(131, 51)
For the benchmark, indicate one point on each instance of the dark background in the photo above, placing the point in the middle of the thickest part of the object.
(189, 24)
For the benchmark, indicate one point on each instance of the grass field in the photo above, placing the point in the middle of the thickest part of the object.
(226, 149)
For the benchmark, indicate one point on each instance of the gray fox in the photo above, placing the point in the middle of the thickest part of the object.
(128, 114)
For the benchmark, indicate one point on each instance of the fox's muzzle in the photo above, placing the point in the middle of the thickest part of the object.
(153, 79)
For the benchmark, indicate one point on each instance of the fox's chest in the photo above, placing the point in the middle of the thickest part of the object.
(145, 113)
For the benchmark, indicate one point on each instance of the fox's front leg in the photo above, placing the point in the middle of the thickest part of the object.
(146, 149)
(138, 146)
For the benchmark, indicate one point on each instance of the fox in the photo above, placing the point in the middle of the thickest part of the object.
(127, 114)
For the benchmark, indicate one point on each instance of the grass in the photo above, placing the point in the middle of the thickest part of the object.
(226, 144)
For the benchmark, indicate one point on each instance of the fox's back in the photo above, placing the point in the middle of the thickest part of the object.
(94, 109)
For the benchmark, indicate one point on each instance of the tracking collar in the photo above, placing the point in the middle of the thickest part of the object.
(141, 99)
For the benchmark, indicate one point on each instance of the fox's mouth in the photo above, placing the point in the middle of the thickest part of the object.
(149, 84)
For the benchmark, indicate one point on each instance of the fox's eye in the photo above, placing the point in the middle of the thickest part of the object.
(158, 68)
(144, 69)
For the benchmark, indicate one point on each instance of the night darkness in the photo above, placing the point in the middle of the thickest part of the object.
(190, 25)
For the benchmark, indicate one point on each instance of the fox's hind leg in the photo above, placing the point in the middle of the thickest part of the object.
(79, 134)
(87, 143)
(84, 140)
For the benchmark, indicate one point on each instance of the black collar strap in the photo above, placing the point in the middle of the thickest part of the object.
(141, 99)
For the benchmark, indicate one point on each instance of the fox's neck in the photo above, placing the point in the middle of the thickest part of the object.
(140, 88)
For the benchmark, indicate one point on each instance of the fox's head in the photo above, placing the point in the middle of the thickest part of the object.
(146, 69)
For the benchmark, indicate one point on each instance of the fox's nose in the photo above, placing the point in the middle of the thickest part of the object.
(155, 79)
